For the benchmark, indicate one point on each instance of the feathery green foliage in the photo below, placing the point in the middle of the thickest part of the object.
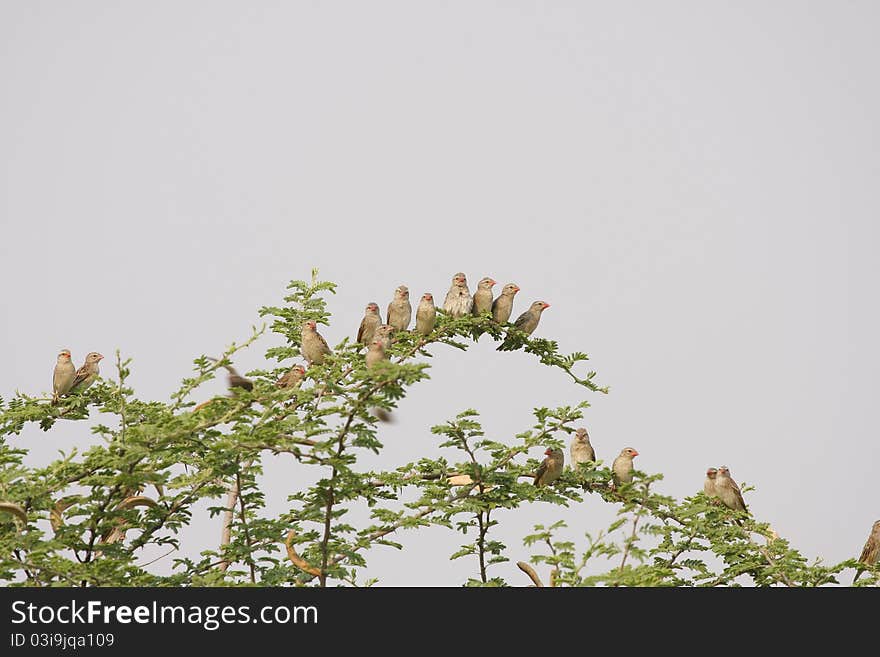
(88, 517)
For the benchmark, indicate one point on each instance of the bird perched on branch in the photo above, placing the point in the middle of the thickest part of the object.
(375, 353)
(292, 378)
(727, 490)
(459, 301)
(233, 378)
(524, 324)
(581, 449)
(622, 467)
(385, 333)
(399, 310)
(313, 346)
(503, 305)
(63, 376)
(426, 314)
(87, 373)
(483, 296)
(482, 302)
(369, 323)
(871, 552)
(550, 468)
(709, 485)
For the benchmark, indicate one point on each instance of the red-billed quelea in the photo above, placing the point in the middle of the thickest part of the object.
(871, 552)
(314, 347)
(87, 373)
(483, 296)
(63, 376)
(426, 314)
(526, 323)
(502, 307)
(622, 467)
(727, 490)
(709, 485)
(369, 323)
(550, 468)
(385, 333)
(292, 378)
(581, 450)
(375, 353)
(459, 301)
(233, 378)
(400, 309)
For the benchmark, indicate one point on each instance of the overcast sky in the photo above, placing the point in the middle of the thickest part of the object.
(692, 186)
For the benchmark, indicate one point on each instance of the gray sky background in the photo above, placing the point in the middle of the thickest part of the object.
(693, 186)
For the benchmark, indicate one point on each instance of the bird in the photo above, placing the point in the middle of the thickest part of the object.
(550, 468)
(233, 378)
(871, 551)
(727, 490)
(63, 376)
(87, 373)
(503, 305)
(525, 323)
(709, 485)
(483, 296)
(292, 378)
(385, 333)
(622, 467)
(426, 314)
(314, 347)
(458, 300)
(369, 323)
(581, 450)
(375, 353)
(399, 310)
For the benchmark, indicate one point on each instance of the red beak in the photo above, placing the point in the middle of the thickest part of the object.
(545, 305)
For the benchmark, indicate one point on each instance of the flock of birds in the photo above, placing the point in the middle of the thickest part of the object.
(718, 485)
(459, 302)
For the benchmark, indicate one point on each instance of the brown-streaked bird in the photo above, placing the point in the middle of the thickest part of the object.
(503, 305)
(63, 376)
(375, 353)
(399, 310)
(313, 347)
(727, 490)
(709, 484)
(527, 323)
(426, 314)
(458, 300)
(483, 296)
(87, 373)
(385, 333)
(622, 467)
(581, 449)
(550, 468)
(292, 378)
(871, 552)
(369, 323)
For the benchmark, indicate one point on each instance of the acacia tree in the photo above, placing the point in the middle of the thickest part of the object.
(88, 518)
